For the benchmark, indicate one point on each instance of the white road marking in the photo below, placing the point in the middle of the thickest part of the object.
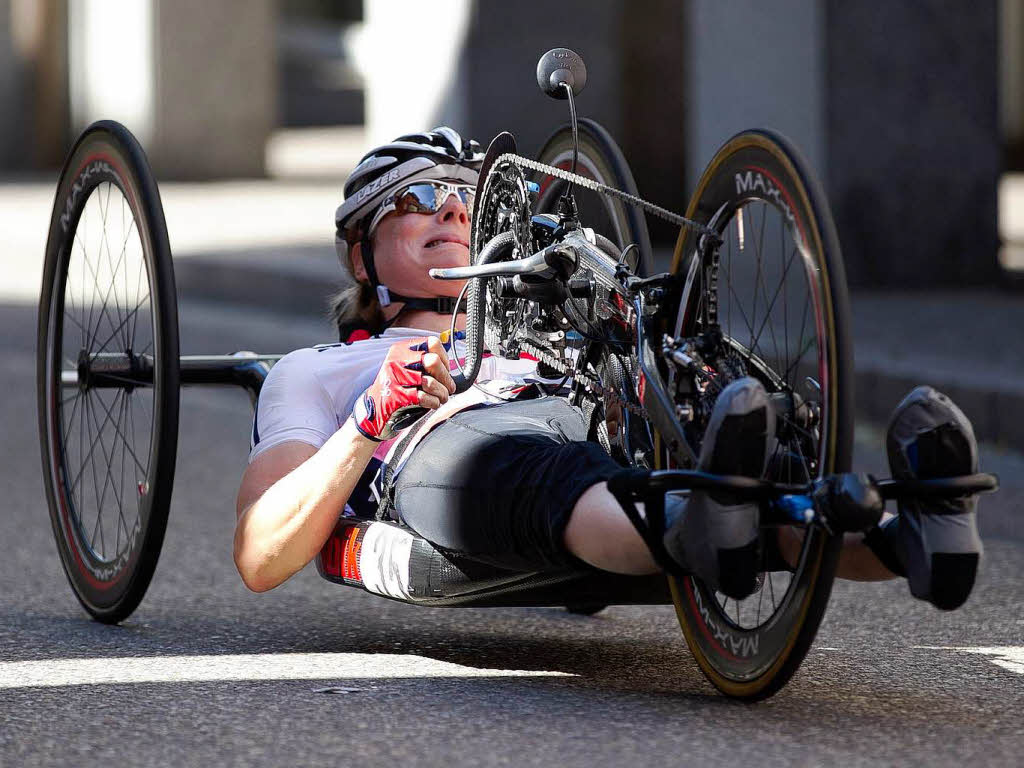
(1009, 657)
(270, 666)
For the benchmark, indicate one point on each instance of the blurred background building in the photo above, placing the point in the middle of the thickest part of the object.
(912, 114)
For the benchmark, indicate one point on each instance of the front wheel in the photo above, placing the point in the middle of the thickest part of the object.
(774, 292)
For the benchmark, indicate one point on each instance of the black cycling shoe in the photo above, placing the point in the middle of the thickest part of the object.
(710, 534)
(934, 543)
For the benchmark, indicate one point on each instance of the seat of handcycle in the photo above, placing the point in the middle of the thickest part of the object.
(393, 561)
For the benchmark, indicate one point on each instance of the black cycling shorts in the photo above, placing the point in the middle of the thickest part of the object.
(498, 483)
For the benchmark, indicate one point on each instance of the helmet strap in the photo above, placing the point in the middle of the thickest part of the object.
(369, 266)
(444, 305)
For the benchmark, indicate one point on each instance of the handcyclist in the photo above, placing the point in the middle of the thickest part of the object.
(504, 472)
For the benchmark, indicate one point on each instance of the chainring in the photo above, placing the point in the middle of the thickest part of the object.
(502, 206)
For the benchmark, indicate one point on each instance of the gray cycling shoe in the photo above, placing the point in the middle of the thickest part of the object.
(937, 542)
(710, 535)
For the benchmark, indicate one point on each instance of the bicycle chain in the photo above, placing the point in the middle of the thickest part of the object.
(588, 382)
(596, 186)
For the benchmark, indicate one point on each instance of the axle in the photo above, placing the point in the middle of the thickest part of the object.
(125, 370)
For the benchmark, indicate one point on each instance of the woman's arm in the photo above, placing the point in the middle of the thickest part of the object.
(291, 495)
(289, 502)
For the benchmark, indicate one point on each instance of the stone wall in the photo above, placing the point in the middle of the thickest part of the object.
(913, 140)
(215, 86)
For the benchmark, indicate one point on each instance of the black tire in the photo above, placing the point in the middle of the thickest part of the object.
(760, 172)
(600, 159)
(128, 312)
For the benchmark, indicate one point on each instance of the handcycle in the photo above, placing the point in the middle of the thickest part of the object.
(561, 270)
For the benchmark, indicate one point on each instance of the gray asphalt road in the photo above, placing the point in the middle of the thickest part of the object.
(889, 680)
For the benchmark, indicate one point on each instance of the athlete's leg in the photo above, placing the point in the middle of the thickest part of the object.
(935, 545)
(856, 560)
(599, 533)
(499, 485)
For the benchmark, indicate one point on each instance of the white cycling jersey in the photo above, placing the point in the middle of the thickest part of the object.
(310, 393)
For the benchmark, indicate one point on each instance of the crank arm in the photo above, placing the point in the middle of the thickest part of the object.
(656, 399)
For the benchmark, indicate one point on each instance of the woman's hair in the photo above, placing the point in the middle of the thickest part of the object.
(355, 306)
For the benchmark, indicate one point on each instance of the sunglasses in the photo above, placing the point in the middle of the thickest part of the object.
(424, 197)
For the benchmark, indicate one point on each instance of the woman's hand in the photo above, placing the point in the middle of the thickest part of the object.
(414, 375)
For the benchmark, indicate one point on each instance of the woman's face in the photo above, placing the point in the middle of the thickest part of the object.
(407, 245)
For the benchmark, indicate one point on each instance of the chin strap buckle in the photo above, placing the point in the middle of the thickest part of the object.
(446, 304)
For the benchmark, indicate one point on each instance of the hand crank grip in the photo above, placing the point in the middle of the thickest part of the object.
(555, 259)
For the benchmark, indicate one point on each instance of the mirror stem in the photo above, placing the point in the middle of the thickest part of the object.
(575, 137)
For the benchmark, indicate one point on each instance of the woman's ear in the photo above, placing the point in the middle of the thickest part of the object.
(358, 268)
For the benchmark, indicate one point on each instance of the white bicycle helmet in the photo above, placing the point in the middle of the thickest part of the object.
(438, 154)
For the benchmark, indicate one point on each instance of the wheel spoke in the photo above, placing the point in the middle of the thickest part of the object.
(764, 286)
(132, 450)
(120, 497)
(138, 290)
(77, 397)
(72, 319)
(112, 335)
(104, 314)
(760, 598)
(124, 272)
(97, 291)
(108, 480)
(729, 277)
(121, 435)
(776, 296)
(92, 447)
(106, 242)
(802, 430)
(785, 299)
(86, 264)
(753, 311)
(95, 488)
(736, 299)
(804, 348)
(111, 459)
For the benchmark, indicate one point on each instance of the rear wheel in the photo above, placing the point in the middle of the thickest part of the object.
(776, 291)
(107, 371)
(599, 159)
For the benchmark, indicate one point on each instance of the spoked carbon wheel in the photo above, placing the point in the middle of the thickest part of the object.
(776, 291)
(599, 159)
(107, 371)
